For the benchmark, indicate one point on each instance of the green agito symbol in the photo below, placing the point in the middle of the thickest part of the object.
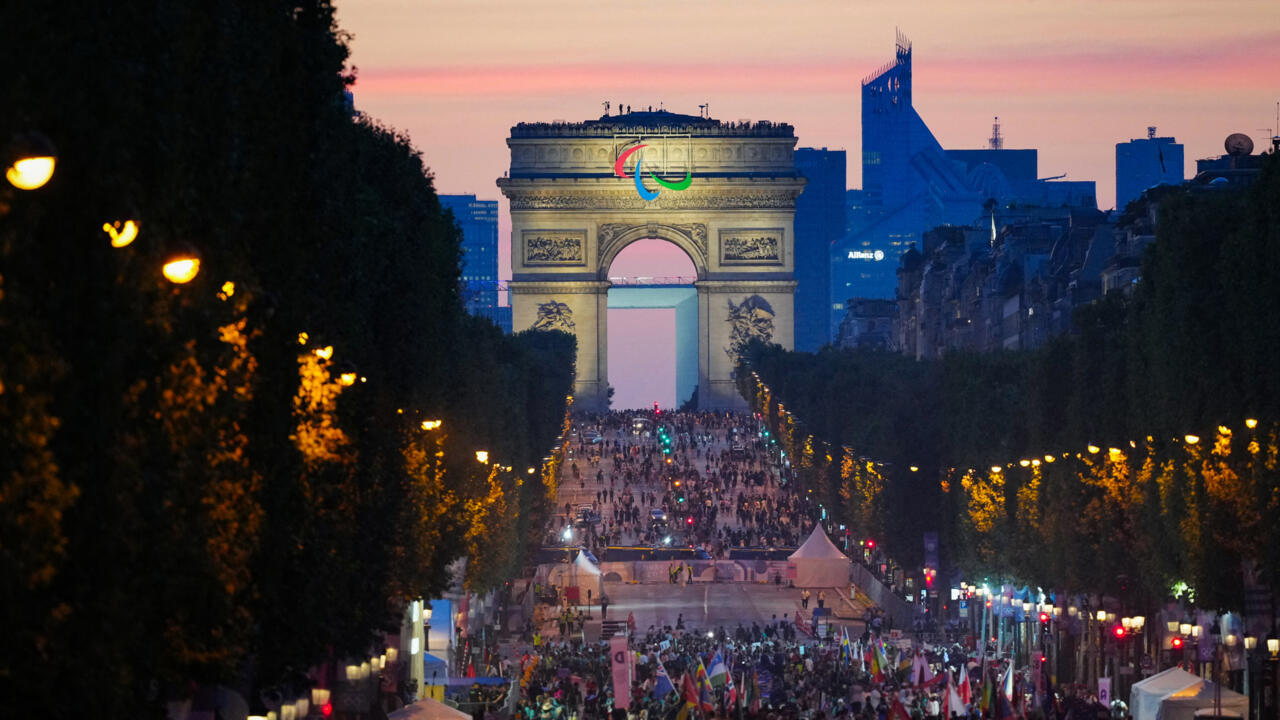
(644, 192)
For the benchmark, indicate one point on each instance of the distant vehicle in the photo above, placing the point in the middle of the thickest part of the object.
(641, 426)
(592, 437)
(549, 554)
(657, 515)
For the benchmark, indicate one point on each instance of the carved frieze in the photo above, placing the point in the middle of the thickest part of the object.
(697, 233)
(751, 319)
(609, 231)
(554, 316)
(751, 246)
(554, 247)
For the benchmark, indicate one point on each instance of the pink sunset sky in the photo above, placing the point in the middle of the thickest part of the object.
(1069, 77)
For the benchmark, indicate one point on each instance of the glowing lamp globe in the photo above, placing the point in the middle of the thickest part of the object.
(182, 266)
(121, 232)
(30, 163)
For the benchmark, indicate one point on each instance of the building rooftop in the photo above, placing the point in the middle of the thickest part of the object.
(652, 122)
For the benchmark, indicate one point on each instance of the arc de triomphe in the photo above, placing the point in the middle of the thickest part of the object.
(571, 214)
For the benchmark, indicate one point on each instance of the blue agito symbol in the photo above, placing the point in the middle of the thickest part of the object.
(644, 193)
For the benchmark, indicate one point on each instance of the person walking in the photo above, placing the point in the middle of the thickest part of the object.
(804, 599)
(604, 606)
(822, 598)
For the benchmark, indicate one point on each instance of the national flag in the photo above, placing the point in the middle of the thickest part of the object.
(846, 650)
(962, 686)
(879, 663)
(663, 686)
(719, 671)
(704, 689)
(955, 704)
(732, 689)
(754, 691)
(1003, 700)
(897, 711)
(689, 696)
(988, 691)
(921, 673)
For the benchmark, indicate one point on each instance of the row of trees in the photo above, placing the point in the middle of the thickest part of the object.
(1116, 459)
(235, 478)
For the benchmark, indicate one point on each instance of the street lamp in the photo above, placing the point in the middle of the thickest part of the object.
(121, 232)
(30, 161)
(182, 266)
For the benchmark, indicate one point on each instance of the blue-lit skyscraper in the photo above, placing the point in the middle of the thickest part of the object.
(909, 185)
(1143, 163)
(819, 224)
(479, 222)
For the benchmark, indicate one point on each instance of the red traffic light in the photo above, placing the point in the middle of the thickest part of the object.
(871, 543)
(1044, 617)
(689, 520)
(1119, 631)
(326, 709)
(1177, 643)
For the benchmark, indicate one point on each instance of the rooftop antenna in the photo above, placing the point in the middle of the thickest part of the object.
(702, 110)
(606, 108)
(1151, 132)
(996, 142)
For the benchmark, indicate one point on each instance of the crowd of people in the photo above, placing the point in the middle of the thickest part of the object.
(719, 484)
(776, 672)
(714, 477)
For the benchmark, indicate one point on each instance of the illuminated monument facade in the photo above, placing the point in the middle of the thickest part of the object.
(572, 212)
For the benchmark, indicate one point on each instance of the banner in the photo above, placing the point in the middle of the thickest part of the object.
(620, 656)
(1104, 691)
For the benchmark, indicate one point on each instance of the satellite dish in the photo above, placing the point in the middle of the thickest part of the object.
(1238, 144)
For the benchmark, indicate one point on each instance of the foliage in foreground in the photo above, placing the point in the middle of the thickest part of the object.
(229, 480)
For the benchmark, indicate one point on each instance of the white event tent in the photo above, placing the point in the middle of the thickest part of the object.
(819, 563)
(1176, 694)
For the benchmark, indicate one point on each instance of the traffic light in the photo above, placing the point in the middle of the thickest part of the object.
(1119, 632)
(1176, 643)
(1044, 617)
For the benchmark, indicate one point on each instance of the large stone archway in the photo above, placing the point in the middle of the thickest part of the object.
(571, 216)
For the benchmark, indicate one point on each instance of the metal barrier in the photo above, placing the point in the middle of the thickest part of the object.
(895, 606)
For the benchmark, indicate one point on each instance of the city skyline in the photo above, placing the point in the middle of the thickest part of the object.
(1071, 82)
(1105, 73)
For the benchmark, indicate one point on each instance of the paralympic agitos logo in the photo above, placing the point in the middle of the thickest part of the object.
(644, 192)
